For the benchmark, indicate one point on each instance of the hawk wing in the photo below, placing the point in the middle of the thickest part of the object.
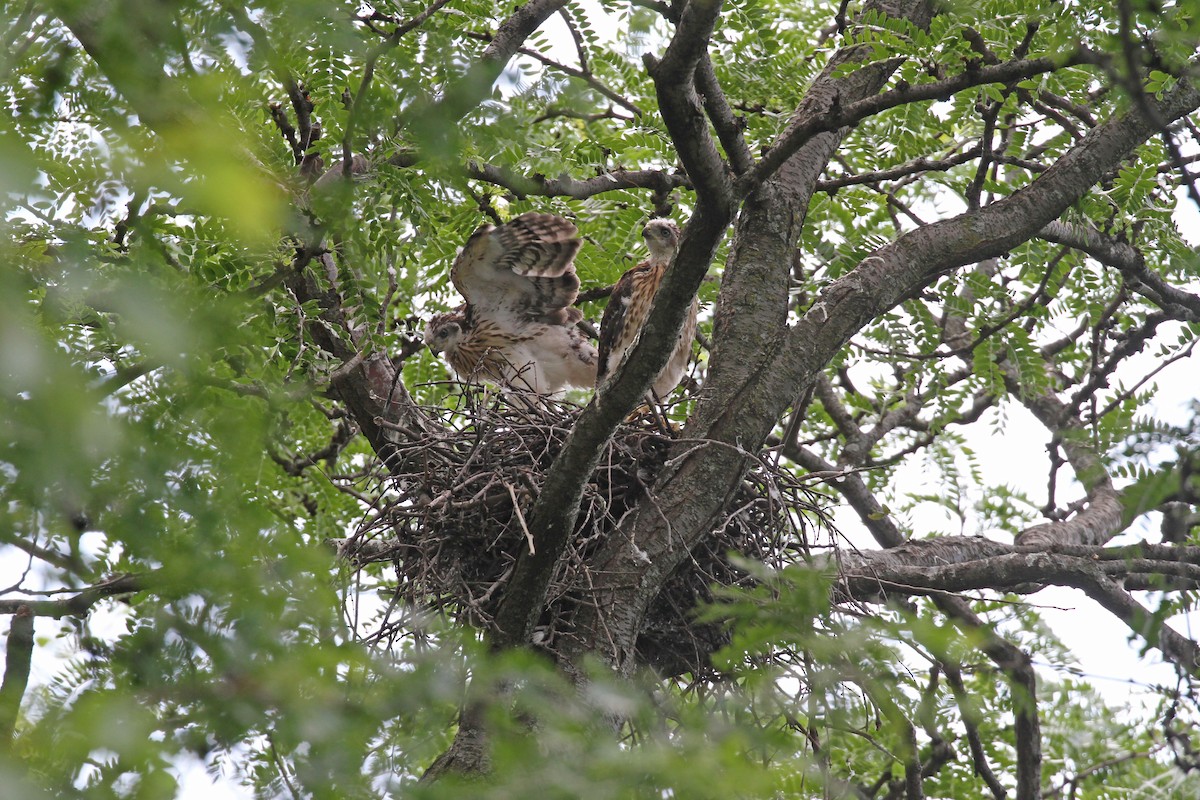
(523, 270)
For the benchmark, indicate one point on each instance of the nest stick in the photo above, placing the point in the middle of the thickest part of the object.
(520, 516)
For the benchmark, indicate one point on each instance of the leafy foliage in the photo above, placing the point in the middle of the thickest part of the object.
(173, 413)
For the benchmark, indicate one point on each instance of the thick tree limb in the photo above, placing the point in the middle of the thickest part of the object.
(752, 306)
(18, 655)
(552, 519)
(744, 413)
(955, 564)
(726, 124)
(469, 754)
(674, 81)
(751, 310)
(1103, 518)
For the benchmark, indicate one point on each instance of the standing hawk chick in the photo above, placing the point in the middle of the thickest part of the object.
(630, 305)
(517, 327)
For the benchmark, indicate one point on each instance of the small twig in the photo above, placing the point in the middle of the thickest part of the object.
(581, 74)
(520, 517)
(369, 72)
(580, 48)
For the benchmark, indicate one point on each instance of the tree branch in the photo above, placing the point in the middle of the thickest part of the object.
(68, 562)
(582, 74)
(971, 717)
(18, 655)
(745, 410)
(305, 133)
(368, 383)
(566, 186)
(1130, 262)
(81, 603)
(364, 85)
(830, 114)
(1018, 668)
(727, 126)
(955, 564)
(914, 167)
(847, 482)
(473, 86)
(752, 308)
(537, 185)
(551, 521)
(674, 82)
(1178, 649)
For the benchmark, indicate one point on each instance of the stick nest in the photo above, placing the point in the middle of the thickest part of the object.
(453, 524)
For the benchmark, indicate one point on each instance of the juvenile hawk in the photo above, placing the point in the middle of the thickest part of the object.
(630, 304)
(517, 327)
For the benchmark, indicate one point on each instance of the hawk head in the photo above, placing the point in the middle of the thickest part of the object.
(662, 237)
(444, 330)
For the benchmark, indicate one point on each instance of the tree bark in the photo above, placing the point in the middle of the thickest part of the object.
(741, 412)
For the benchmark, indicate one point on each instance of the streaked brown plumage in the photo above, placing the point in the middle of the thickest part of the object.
(517, 327)
(630, 304)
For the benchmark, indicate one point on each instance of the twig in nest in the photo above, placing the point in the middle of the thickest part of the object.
(520, 516)
(452, 527)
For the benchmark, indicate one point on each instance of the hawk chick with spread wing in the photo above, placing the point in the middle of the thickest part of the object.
(517, 327)
(629, 306)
